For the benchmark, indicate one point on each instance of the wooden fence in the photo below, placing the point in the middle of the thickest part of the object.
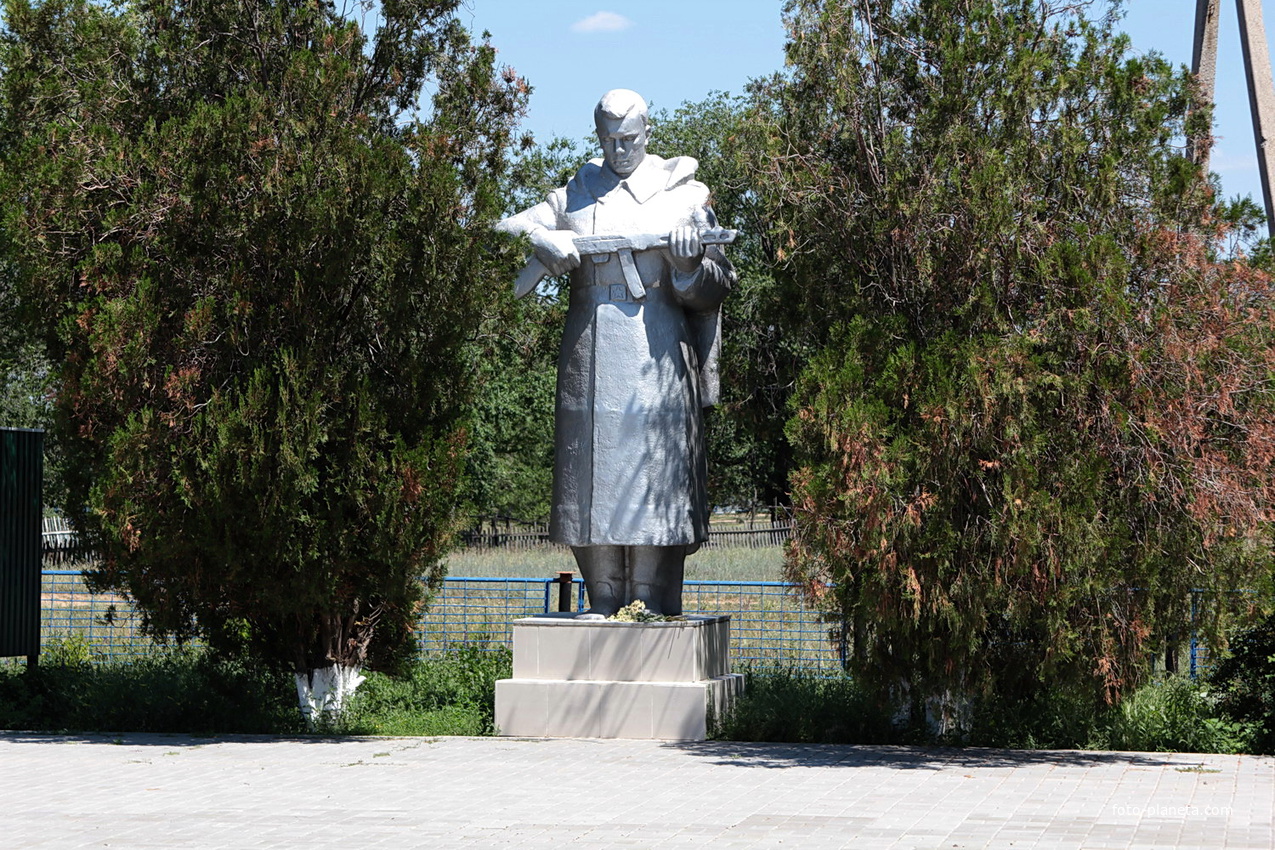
(509, 534)
(61, 547)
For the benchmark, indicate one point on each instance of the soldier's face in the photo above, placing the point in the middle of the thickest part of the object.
(623, 142)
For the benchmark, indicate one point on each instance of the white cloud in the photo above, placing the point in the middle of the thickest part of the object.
(602, 22)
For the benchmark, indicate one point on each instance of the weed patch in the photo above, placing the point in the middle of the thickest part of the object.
(1245, 683)
(793, 706)
(198, 692)
(1171, 715)
(188, 691)
(452, 694)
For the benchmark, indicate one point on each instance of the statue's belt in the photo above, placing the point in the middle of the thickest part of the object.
(618, 293)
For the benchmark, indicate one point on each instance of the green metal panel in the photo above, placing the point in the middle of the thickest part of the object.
(21, 478)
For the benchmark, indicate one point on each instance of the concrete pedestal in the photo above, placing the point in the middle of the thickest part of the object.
(602, 679)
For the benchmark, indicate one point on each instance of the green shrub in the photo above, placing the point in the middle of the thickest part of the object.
(452, 694)
(798, 707)
(794, 706)
(1053, 719)
(1245, 684)
(182, 690)
(1176, 714)
(198, 691)
(66, 650)
(1172, 715)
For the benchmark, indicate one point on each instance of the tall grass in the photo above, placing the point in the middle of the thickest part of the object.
(1176, 714)
(451, 694)
(1172, 715)
(795, 706)
(182, 690)
(194, 691)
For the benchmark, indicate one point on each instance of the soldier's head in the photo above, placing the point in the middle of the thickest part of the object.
(621, 121)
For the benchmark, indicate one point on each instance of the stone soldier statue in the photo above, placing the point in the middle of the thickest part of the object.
(638, 359)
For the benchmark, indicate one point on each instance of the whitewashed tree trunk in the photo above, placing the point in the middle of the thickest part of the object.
(946, 713)
(324, 692)
(950, 712)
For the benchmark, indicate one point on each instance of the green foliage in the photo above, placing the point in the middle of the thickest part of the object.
(749, 457)
(538, 169)
(260, 267)
(453, 694)
(1245, 683)
(183, 691)
(200, 692)
(509, 467)
(1173, 715)
(69, 650)
(1048, 719)
(24, 373)
(797, 707)
(1038, 409)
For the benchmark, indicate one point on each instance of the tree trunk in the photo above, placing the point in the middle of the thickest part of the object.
(324, 692)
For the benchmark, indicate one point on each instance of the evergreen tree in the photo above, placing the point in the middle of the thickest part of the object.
(510, 462)
(24, 374)
(260, 256)
(1040, 410)
(749, 457)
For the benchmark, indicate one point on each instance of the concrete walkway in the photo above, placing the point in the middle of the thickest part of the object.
(170, 791)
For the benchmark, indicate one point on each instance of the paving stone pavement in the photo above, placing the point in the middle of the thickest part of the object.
(176, 791)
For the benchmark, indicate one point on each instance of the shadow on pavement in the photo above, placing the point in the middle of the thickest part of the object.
(169, 739)
(905, 758)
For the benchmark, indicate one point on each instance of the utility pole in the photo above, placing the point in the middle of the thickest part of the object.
(1204, 69)
(1257, 72)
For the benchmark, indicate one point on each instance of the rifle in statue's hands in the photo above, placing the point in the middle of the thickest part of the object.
(624, 246)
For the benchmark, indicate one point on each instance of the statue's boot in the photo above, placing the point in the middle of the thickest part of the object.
(655, 577)
(603, 570)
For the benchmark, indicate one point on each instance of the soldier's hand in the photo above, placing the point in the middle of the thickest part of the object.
(556, 250)
(684, 245)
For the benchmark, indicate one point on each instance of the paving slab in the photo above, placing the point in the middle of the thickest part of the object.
(177, 791)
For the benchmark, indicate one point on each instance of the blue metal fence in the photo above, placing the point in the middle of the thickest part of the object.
(107, 624)
(477, 612)
(769, 626)
(1200, 659)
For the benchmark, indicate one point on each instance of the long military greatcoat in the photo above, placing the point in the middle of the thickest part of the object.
(633, 375)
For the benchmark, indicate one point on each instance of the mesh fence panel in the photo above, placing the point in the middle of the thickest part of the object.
(477, 612)
(105, 623)
(769, 626)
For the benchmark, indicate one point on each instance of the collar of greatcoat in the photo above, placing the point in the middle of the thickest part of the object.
(654, 175)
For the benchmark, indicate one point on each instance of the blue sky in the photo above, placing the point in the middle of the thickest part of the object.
(673, 51)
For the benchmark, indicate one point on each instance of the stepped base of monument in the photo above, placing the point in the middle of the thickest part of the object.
(602, 679)
(661, 711)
